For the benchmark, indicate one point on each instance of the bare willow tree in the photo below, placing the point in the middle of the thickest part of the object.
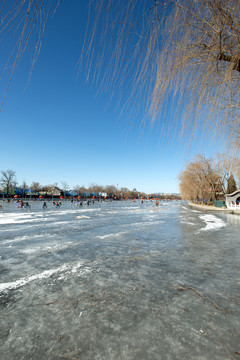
(193, 181)
(208, 178)
(177, 54)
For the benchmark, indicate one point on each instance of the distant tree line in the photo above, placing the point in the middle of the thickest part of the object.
(207, 179)
(8, 183)
(8, 186)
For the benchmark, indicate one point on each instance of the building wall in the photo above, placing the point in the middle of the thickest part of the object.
(232, 198)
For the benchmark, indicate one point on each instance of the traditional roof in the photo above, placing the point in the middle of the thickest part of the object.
(233, 194)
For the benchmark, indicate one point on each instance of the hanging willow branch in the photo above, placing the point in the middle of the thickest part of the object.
(177, 55)
(170, 58)
(23, 23)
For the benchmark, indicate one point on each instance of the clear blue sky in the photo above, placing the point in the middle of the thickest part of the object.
(59, 128)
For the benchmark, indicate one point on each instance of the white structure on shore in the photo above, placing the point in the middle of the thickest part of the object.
(233, 200)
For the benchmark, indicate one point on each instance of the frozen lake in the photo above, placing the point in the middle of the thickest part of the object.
(119, 280)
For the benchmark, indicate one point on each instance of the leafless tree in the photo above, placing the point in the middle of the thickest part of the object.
(80, 190)
(238, 175)
(182, 53)
(21, 22)
(65, 187)
(225, 165)
(94, 188)
(110, 189)
(193, 185)
(24, 187)
(36, 187)
(231, 184)
(235, 169)
(124, 191)
(173, 54)
(206, 178)
(8, 181)
(77, 189)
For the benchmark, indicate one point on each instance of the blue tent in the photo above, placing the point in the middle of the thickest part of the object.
(71, 193)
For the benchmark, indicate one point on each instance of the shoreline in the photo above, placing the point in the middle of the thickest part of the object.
(213, 208)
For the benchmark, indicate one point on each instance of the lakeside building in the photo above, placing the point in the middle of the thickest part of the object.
(50, 190)
(233, 200)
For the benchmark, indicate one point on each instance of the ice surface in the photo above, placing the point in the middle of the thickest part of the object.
(119, 280)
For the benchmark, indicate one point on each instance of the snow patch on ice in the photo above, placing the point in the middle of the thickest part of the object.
(14, 218)
(110, 235)
(27, 237)
(212, 222)
(67, 268)
(188, 223)
(83, 217)
(55, 247)
(131, 207)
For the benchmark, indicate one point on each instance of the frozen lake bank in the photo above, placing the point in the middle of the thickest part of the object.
(119, 280)
(214, 209)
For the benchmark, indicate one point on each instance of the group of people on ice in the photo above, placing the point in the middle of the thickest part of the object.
(21, 204)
